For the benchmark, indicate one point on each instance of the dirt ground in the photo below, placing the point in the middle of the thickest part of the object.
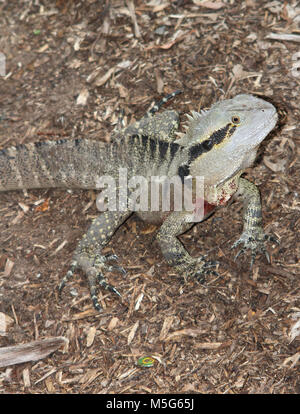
(72, 67)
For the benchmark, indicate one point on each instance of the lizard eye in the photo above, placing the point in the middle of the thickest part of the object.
(235, 119)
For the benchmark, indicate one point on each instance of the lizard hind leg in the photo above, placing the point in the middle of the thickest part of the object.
(91, 261)
(175, 253)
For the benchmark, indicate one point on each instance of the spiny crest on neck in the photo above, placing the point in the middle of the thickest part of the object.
(195, 125)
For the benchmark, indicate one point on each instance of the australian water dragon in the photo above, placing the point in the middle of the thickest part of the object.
(218, 144)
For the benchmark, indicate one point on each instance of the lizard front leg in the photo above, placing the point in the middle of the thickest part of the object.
(253, 236)
(176, 255)
(161, 126)
(88, 255)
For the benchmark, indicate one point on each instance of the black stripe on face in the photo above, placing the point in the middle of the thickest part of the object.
(215, 138)
(218, 136)
(195, 151)
(207, 145)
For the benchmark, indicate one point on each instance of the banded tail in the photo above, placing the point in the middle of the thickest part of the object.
(64, 163)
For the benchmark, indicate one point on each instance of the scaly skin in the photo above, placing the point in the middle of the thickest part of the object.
(218, 144)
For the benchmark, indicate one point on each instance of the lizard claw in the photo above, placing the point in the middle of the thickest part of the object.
(110, 257)
(95, 276)
(102, 282)
(256, 243)
(118, 269)
(114, 268)
(239, 253)
(93, 280)
(68, 276)
(100, 266)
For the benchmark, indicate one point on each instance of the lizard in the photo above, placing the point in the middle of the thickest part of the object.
(218, 144)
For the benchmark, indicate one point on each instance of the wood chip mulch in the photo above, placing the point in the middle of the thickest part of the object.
(72, 68)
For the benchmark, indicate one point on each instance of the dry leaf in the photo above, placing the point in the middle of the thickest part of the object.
(91, 336)
(279, 165)
(188, 331)
(131, 9)
(159, 81)
(90, 376)
(132, 333)
(103, 79)
(138, 301)
(239, 383)
(5, 322)
(166, 327)
(61, 246)
(208, 345)
(26, 377)
(123, 92)
(49, 385)
(18, 217)
(295, 329)
(188, 388)
(8, 268)
(293, 359)
(82, 315)
(160, 7)
(24, 207)
(284, 37)
(82, 97)
(215, 5)
(177, 38)
(113, 323)
(238, 70)
(44, 206)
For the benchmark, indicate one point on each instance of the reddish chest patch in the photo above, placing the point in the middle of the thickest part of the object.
(208, 208)
(202, 209)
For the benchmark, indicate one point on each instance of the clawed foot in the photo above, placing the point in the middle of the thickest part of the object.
(256, 243)
(95, 276)
(112, 268)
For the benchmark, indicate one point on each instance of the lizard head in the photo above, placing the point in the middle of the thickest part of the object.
(223, 140)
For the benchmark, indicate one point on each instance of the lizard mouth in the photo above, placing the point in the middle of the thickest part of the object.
(266, 128)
